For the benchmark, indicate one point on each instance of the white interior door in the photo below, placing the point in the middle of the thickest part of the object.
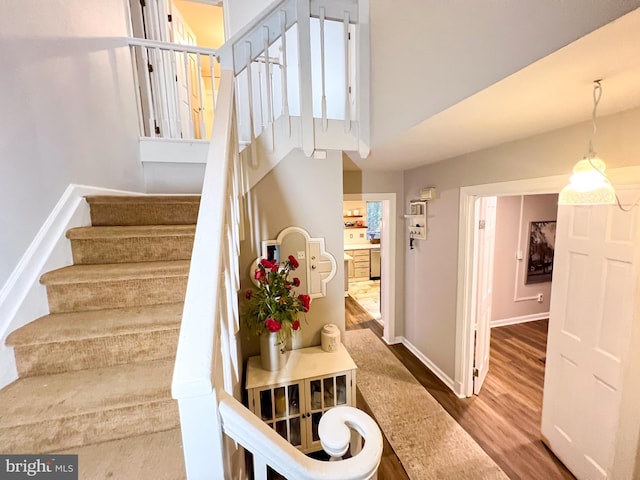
(595, 271)
(485, 240)
(188, 78)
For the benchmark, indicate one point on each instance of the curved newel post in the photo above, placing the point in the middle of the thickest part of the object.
(343, 427)
(335, 430)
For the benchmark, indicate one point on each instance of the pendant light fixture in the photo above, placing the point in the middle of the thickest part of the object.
(589, 184)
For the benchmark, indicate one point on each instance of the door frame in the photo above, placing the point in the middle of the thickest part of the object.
(387, 257)
(466, 287)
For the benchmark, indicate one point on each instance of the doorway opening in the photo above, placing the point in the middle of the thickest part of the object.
(467, 293)
(362, 268)
(379, 238)
(564, 419)
(513, 270)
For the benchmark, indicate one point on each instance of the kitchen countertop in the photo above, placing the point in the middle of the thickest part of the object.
(362, 246)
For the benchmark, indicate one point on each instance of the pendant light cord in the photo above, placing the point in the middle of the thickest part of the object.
(597, 94)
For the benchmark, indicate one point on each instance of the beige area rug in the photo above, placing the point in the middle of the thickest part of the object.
(428, 441)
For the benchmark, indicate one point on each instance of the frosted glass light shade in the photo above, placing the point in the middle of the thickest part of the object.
(588, 185)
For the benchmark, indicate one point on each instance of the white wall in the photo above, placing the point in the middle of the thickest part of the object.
(239, 13)
(512, 298)
(68, 110)
(306, 193)
(447, 51)
(431, 269)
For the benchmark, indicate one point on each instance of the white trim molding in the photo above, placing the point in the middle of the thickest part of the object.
(521, 319)
(446, 379)
(22, 298)
(169, 150)
(395, 341)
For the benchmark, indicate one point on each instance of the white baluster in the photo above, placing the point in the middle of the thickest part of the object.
(259, 468)
(213, 82)
(306, 94)
(268, 78)
(190, 133)
(363, 90)
(253, 161)
(200, 95)
(285, 93)
(325, 121)
(176, 91)
(347, 69)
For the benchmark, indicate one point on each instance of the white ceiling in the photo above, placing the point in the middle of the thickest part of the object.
(469, 46)
(551, 93)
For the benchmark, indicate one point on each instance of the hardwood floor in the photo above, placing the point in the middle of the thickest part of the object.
(505, 418)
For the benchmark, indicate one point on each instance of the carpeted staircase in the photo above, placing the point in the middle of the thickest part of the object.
(95, 374)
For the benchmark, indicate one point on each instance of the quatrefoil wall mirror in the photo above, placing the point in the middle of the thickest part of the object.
(317, 266)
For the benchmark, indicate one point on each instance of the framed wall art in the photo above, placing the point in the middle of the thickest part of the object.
(542, 239)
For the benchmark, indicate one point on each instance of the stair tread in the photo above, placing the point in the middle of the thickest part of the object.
(115, 272)
(116, 232)
(137, 199)
(84, 391)
(76, 326)
(153, 456)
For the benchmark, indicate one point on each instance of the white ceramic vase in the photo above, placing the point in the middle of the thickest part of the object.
(273, 353)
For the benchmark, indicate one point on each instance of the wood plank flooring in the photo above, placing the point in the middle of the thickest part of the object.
(505, 418)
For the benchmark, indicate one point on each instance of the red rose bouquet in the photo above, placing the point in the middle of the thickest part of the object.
(274, 306)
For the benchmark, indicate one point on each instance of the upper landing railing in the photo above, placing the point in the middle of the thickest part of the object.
(304, 83)
(176, 87)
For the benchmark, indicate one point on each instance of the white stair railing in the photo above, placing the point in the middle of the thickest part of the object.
(176, 88)
(300, 73)
(206, 380)
(336, 429)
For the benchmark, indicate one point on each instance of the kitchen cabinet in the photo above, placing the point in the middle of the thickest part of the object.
(361, 264)
(292, 400)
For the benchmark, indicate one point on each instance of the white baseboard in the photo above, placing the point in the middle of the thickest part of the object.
(521, 319)
(395, 341)
(448, 381)
(22, 298)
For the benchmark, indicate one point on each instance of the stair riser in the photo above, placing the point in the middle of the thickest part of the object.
(144, 214)
(61, 357)
(74, 297)
(91, 252)
(90, 428)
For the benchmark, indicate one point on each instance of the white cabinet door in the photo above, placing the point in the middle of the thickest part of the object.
(595, 271)
(280, 408)
(322, 394)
